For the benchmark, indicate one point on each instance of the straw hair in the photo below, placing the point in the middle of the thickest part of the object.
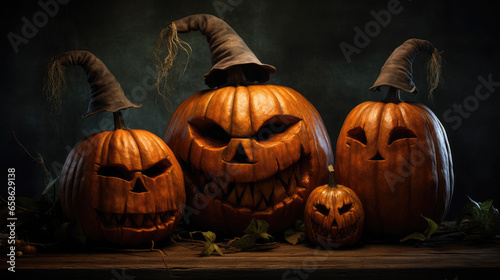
(54, 84)
(166, 50)
(434, 66)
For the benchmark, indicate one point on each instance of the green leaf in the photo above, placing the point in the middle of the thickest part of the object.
(257, 227)
(415, 235)
(299, 226)
(492, 224)
(474, 209)
(208, 235)
(486, 206)
(432, 227)
(296, 234)
(210, 245)
(246, 242)
(256, 230)
(294, 237)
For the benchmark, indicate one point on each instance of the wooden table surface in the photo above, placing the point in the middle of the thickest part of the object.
(182, 261)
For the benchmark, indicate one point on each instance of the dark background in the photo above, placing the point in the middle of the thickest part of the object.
(300, 38)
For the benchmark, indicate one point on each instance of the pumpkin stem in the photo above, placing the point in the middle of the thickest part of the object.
(226, 47)
(393, 96)
(118, 120)
(397, 71)
(332, 182)
(106, 93)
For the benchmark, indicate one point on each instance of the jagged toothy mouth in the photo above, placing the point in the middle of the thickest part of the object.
(256, 196)
(335, 233)
(136, 221)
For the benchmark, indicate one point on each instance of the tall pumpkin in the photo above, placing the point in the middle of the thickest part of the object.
(395, 155)
(248, 150)
(124, 186)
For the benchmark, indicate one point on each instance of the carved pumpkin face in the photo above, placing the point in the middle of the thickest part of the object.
(124, 186)
(334, 215)
(248, 152)
(396, 157)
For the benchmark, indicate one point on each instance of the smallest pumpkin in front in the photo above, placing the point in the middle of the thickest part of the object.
(334, 214)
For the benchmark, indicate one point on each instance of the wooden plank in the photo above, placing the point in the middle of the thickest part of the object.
(284, 262)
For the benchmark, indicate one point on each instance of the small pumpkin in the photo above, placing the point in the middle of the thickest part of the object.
(248, 150)
(334, 214)
(29, 251)
(124, 186)
(396, 154)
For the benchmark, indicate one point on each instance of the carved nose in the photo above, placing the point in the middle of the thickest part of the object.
(377, 156)
(240, 156)
(139, 186)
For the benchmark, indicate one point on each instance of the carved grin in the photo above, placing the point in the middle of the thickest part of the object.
(136, 221)
(335, 233)
(275, 191)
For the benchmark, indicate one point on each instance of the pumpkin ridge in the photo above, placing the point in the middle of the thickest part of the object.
(232, 113)
(309, 126)
(377, 193)
(273, 94)
(429, 117)
(249, 93)
(208, 103)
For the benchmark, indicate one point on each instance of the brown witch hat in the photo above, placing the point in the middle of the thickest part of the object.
(106, 93)
(397, 71)
(233, 62)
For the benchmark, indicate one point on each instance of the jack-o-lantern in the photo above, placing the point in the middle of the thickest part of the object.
(395, 155)
(124, 186)
(334, 214)
(248, 150)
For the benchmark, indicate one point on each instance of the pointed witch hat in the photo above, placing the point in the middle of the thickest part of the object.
(397, 71)
(106, 93)
(232, 60)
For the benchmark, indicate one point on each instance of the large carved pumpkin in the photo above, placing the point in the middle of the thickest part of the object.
(124, 186)
(334, 214)
(248, 150)
(395, 155)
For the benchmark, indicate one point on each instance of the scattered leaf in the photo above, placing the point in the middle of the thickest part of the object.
(210, 245)
(432, 227)
(479, 220)
(416, 235)
(295, 234)
(255, 233)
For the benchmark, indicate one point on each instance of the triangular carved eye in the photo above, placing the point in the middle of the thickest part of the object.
(158, 168)
(275, 125)
(399, 133)
(357, 134)
(322, 209)
(115, 171)
(211, 130)
(345, 208)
